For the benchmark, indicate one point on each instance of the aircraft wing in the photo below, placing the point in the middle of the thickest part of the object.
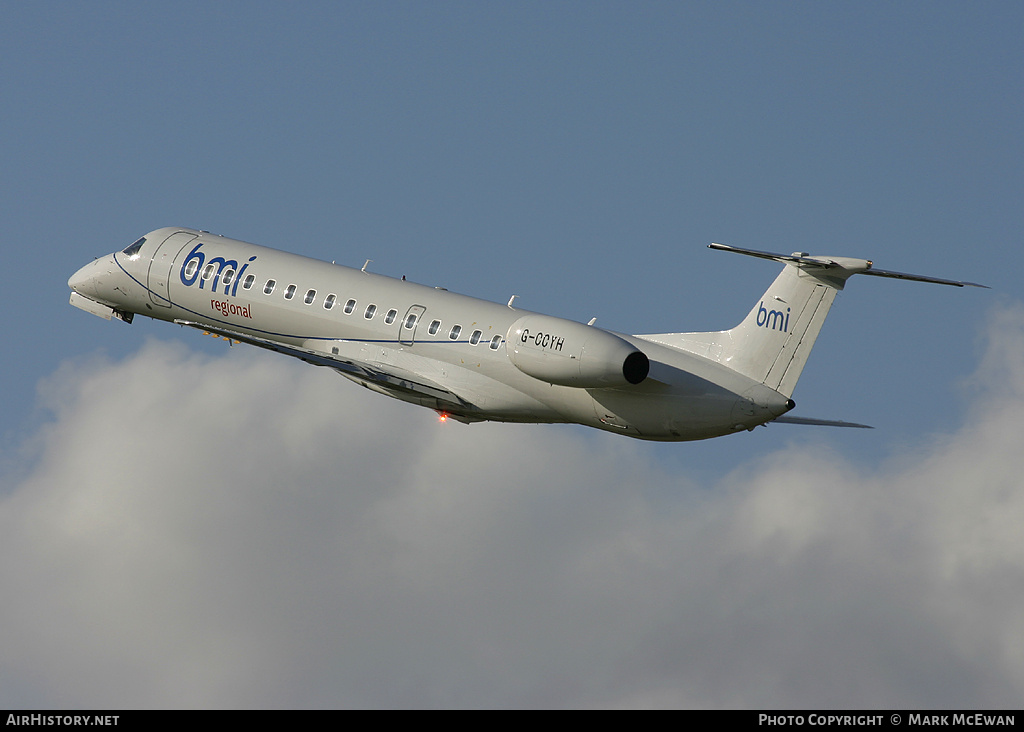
(390, 379)
(786, 419)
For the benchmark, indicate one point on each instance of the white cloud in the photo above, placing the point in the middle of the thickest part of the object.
(247, 531)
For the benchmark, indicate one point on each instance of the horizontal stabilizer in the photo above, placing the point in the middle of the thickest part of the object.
(785, 419)
(794, 258)
(921, 278)
(829, 263)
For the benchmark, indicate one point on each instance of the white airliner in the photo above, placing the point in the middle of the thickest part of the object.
(473, 360)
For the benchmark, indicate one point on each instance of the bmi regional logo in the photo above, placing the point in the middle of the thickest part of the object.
(217, 271)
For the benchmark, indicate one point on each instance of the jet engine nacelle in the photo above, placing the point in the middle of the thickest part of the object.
(572, 354)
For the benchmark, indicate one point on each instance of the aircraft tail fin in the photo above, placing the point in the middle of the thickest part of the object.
(772, 343)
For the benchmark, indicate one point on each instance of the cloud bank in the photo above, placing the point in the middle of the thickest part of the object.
(244, 531)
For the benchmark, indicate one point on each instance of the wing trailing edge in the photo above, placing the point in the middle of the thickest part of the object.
(394, 381)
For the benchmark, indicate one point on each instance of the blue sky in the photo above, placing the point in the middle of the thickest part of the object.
(581, 155)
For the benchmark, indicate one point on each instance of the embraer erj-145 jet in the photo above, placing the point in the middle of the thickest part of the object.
(473, 360)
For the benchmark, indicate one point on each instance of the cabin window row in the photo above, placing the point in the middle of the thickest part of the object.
(226, 277)
(454, 333)
(310, 297)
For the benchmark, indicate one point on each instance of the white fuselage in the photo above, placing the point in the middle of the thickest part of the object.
(440, 340)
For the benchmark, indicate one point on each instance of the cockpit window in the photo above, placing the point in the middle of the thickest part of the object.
(132, 252)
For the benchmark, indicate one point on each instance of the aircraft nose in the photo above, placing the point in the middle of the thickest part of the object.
(89, 279)
(82, 281)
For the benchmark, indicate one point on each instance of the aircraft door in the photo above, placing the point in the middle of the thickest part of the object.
(159, 276)
(411, 321)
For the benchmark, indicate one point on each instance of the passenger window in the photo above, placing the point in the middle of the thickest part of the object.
(475, 338)
(329, 301)
(208, 272)
(495, 342)
(370, 312)
(269, 287)
(455, 331)
(349, 307)
(289, 292)
(310, 297)
(229, 274)
(247, 282)
(190, 268)
(390, 317)
(410, 321)
(434, 325)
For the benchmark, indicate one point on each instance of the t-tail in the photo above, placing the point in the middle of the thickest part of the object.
(773, 342)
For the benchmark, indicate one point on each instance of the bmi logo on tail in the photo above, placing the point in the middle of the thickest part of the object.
(772, 319)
